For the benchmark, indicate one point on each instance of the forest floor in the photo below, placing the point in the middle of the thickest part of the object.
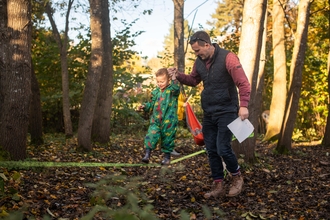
(295, 186)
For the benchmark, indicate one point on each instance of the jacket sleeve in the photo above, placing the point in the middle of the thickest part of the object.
(193, 79)
(236, 71)
(175, 88)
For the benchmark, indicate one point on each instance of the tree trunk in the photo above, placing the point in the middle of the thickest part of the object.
(102, 116)
(249, 53)
(261, 75)
(93, 78)
(63, 47)
(15, 76)
(35, 124)
(277, 105)
(179, 35)
(298, 58)
(326, 136)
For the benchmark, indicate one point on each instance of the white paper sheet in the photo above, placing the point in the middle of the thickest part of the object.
(241, 129)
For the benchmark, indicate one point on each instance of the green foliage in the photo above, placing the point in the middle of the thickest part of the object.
(227, 17)
(17, 215)
(182, 131)
(126, 97)
(4, 154)
(47, 66)
(9, 185)
(119, 197)
(167, 55)
(281, 150)
(312, 113)
(313, 110)
(122, 44)
(116, 189)
(2, 183)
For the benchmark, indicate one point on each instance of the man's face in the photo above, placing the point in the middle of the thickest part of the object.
(204, 52)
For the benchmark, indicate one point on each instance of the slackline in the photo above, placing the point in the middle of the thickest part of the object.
(28, 164)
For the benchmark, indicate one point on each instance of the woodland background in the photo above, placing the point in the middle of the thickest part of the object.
(88, 88)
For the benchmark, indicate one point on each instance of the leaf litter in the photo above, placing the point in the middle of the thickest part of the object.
(294, 186)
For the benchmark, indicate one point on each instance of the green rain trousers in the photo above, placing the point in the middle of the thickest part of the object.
(164, 118)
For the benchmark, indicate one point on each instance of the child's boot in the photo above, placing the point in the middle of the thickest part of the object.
(167, 159)
(145, 159)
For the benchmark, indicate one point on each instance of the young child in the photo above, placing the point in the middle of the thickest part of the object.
(164, 118)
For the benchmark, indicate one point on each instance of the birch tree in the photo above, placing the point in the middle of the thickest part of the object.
(279, 90)
(261, 73)
(249, 53)
(298, 57)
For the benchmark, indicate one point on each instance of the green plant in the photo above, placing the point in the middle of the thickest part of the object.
(118, 197)
(9, 184)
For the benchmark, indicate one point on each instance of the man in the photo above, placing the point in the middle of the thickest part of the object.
(221, 73)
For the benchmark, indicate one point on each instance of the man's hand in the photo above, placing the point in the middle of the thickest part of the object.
(243, 113)
(172, 72)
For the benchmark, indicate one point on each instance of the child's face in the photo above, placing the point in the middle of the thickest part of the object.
(162, 81)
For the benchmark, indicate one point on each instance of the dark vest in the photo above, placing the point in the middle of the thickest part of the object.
(220, 93)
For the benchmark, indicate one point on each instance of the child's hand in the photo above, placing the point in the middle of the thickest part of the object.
(141, 107)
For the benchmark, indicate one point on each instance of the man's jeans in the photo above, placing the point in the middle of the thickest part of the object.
(217, 138)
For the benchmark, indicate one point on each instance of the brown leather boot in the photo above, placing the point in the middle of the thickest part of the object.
(236, 186)
(216, 192)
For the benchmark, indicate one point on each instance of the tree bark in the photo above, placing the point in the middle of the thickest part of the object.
(63, 47)
(261, 75)
(277, 106)
(35, 124)
(179, 54)
(298, 57)
(326, 136)
(15, 76)
(101, 123)
(249, 53)
(93, 78)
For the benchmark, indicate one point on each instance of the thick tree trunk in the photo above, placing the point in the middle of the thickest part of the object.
(261, 76)
(35, 124)
(63, 47)
(277, 105)
(326, 136)
(15, 76)
(298, 57)
(102, 116)
(249, 54)
(179, 35)
(93, 78)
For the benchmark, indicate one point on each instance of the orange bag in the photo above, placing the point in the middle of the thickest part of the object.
(194, 126)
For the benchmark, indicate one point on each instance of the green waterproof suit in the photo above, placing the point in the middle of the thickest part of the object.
(164, 118)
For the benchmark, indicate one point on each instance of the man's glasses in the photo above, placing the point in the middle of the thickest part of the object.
(194, 39)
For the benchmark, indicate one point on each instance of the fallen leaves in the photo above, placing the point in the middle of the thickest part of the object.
(278, 187)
